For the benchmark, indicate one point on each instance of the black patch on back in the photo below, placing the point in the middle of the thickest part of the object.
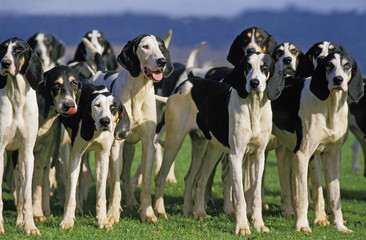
(212, 99)
(108, 74)
(218, 73)
(286, 107)
(298, 134)
(358, 109)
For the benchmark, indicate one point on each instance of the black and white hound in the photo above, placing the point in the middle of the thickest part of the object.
(20, 74)
(146, 60)
(234, 118)
(100, 119)
(58, 96)
(103, 46)
(49, 49)
(314, 122)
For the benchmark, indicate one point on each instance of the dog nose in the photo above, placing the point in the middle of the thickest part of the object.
(161, 62)
(287, 60)
(66, 106)
(338, 80)
(5, 63)
(254, 83)
(104, 121)
(250, 50)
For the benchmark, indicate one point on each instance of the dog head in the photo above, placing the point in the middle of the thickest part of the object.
(61, 89)
(148, 55)
(104, 112)
(103, 46)
(337, 72)
(252, 39)
(17, 57)
(48, 48)
(257, 72)
(290, 57)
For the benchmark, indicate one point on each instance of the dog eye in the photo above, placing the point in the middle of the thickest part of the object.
(97, 105)
(57, 86)
(100, 39)
(264, 67)
(260, 38)
(330, 65)
(347, 66)
(279, 52)
(294, 51)
(161, 47)
(17, 51)
(248, 66)
(146, 47)
(74, 84)
(113, 107)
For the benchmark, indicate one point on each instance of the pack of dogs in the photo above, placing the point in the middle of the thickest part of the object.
(274, 97)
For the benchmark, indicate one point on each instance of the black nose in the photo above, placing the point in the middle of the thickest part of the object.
(254, 83)
(287, 60)
(250, 50)
(66, 106)
(104, 121)
(338, 80)
(5, 63)
(161, 62)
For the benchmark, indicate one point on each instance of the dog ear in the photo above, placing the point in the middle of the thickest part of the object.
(355, 86)
(238, 80)
(87, 124)
(80, 54)
(32, 41)
(319, 83)
(123, 128)
(3, 81)
(44, 98)
(109, 57)
(58, 50)
(236, 51)
(169, 68)
(128, 58)
(33, 69)
(305, 68)
(272, 44)
(276, 82)
(78, 93)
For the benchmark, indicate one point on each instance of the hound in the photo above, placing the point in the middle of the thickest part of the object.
(146, 61)
(49, 49)
(315, 123)
(58, 96)
(21, 73)
(100, 119)
(234, 119)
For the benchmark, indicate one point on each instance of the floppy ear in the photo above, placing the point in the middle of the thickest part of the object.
(3, 81)
(319, 83)
(78, 93)
(355, 86)
(33, 69)
(110, 57)
(122, 129)
(238, 80)
(80, 54)
(305, 67)
(32, 41)
(87, 124)
(275, 83)
(128, 58)
(272, 44)
(236, 51)
(44, 98)
(169, 65)
(58, 50)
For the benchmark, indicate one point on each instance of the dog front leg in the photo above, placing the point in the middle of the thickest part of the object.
(2, 230)
(71, 185)
(101, 172)
(128, 153)
(331, 170)
(115, 162)
(227, 187)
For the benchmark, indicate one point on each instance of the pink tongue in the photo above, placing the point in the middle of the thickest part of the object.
(71, 111)
(157, 76)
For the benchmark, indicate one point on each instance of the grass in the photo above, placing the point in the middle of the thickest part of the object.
(219, 225)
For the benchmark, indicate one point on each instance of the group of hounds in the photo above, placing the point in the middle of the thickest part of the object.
(274, 97)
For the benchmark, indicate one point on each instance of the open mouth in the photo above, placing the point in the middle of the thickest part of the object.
(69, 112)
(153, 75)
(288, 71)
(339, 87)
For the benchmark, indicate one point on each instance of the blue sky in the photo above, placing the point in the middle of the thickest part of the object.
(176, 8)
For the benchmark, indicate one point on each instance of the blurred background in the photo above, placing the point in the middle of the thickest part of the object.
(192, 21)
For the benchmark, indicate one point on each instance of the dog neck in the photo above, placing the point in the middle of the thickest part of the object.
(337, 108)
(46, 124)
(16, 88)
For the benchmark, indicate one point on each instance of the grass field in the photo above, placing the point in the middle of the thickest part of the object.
(219, 225)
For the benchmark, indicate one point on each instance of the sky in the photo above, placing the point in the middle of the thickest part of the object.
(176, 8)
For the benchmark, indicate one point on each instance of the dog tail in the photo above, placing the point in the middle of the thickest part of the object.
(98, 59)
(168, 37)
(192, 56)
(161, 99)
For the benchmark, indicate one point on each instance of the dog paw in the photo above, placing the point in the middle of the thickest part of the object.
(342, 228)
(2, 230)
(321, 221)
(32, 231)
(302, 229)
(67, 223)
(104, 224)
(242, 230)
(187, 211)
(113, 215)
(147, 215)
(200, 215)
(132, 203)
(265, 206)
(40, 218)
(171, 179)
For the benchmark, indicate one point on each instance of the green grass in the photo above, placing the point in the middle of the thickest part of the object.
(219, 225)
